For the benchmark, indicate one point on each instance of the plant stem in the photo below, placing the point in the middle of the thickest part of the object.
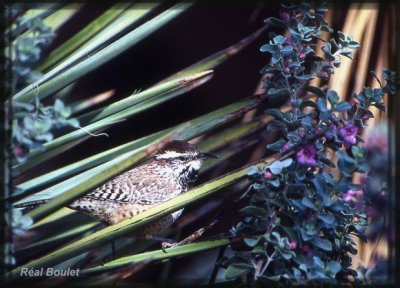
(269, 260)
(216, 267)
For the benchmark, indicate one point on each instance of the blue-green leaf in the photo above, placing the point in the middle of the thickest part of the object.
(332, 268)
(333, 97)
(236, 270)
(342, 106)
(322, 244)
(276, 167)
(327, 218)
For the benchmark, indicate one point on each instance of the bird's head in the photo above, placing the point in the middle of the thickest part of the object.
(184, 157)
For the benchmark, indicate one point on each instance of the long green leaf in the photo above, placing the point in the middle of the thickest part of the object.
(61, 16)
(217, 58)
(187, 130)
(138, 221)
(55, 18)
(38, 158)
(80, 105)
(166, 93)
(200, 122)
(129, 225)
(175, 86)
(82, 36)
(68, 190)
(101, 57)
(56, 216)
(38, 12)
(158, 255)
(59, 238)
(84, 164)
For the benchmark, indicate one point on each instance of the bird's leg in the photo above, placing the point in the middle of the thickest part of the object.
(158, 238)
(196, 235)
(165, 242)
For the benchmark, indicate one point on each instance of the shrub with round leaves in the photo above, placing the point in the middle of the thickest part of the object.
(301, 219)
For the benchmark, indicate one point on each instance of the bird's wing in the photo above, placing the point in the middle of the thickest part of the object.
(131, 187)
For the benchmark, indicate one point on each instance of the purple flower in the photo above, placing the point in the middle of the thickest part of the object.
(348, 134)
(267, 175)
(307, 156)
(292, 245)
(350, 195)
(301, 132)
(285, 147)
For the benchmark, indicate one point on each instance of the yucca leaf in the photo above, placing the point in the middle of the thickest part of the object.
(174, 88)
(228, 135)
(130, 225)
(68, 190)
(187, 131)
(158, 255)
(203, 65)
(81, 38)
(64, 142)
(42, 90)
(225, 137)
(58, 18)
(201, 125)
(81, 105)
(61, 237)
(86, 164)
(41, 12)
(56, 216)
(17, 169)
(55, 17)
(217, 58)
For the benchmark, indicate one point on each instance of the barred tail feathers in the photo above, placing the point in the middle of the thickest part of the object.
(31, 204)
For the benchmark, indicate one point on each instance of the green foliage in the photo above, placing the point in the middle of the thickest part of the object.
(33, 124)
(300, 221)
(67, 183)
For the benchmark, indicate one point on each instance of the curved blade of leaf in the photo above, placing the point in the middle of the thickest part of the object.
(130, 225)
(174, 88)
(158, 255)
(43, 89)
(81, 105)
(217, 58)
(187, 130)
(85, 164)
(62, 143)
(61, 16)
(56, 216)
(93, 36)
(41, 12)
(58, 238)
(197, 126)
(74, 187)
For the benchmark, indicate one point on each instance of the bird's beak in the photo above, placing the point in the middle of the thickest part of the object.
(208, 155)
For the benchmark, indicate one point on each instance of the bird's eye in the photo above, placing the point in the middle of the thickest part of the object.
(181, 158)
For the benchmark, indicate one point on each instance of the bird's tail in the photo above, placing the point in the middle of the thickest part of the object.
(31, 204)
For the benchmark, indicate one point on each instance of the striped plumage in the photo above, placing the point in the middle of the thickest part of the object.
(172, 172)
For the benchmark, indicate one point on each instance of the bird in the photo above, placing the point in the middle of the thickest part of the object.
(172, 171)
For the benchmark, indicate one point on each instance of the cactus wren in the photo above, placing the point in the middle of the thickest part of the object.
(172, 171)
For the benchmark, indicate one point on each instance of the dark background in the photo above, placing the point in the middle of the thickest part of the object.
(199, 32)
